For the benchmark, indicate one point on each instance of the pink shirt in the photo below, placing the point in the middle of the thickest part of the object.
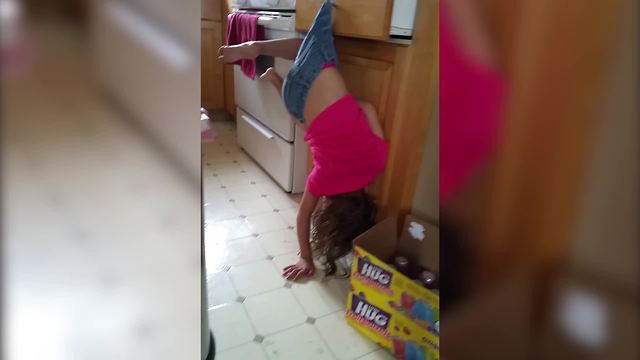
(347, 155)
(471, 100)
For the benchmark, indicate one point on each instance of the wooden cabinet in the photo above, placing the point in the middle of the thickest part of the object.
(229, 87)
(367, 68)
(401, 82)
(216, 78)
(211, 10)
(211, 71)
(353, 18)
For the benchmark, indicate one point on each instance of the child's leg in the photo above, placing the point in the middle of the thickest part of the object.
(272, 76)
(283, 48)
(310, 87)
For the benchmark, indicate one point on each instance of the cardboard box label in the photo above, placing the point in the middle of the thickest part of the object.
(369, 315)
(373, 275)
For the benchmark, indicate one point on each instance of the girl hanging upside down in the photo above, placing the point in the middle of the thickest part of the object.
(344, 136)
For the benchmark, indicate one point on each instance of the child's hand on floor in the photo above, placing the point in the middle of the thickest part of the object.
(303, 268)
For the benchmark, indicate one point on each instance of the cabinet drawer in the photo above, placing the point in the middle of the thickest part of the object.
(369, 19)
(266, 148)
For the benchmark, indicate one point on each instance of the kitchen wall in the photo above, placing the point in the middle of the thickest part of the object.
(606, 237)
(425, 201)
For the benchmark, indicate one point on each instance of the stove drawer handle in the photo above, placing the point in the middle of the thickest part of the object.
(261, 129)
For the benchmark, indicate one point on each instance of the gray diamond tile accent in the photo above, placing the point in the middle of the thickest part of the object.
(269, 257)
(259, 339)
(276, 210)
(310, 320)
(290, 227)
(263, 195)
(288, 285)
(241, 299)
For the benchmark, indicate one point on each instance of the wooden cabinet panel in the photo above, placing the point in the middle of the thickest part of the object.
(369, 80)
(211, 10)
(354, 18)
(211, 76)
(367, 68)
(229, 86)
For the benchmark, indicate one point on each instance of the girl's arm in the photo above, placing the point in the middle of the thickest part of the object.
(272, 76)
(304, 267)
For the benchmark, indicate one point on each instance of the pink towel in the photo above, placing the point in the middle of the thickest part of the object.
(242, 28)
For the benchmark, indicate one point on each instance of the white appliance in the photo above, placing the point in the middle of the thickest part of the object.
(264, 128)
(402, 18)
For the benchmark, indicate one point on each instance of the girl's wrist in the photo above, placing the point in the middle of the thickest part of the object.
(305, 256)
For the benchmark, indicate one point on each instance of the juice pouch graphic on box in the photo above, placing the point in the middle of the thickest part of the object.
(419, 304)
(410, 350)
(421, 341)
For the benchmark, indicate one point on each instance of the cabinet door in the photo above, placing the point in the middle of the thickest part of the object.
(211, 76)
(353, 18)
(369, 80)
(211, 10)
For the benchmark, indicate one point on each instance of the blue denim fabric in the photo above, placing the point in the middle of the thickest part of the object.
(317, 49)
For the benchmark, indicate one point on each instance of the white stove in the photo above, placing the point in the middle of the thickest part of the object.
(275, 5)
(265, 129)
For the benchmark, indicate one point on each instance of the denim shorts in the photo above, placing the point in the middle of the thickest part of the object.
(317, 50)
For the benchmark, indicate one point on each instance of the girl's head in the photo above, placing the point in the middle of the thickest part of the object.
(337, 221)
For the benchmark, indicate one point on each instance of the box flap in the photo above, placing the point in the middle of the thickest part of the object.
(420, 243)
(381, 240)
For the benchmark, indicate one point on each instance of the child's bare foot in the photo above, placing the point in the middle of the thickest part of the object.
(270, 75)
(233, 53)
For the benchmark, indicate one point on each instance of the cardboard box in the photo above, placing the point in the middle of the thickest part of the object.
(385, 305)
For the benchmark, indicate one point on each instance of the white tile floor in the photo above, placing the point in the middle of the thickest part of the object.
(249, 238)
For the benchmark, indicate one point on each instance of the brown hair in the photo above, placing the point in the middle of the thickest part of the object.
(337, 221)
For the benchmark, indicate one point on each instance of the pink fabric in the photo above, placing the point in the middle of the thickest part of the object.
(347, 155)
(207, 132)
(328, 65)
(242, 28)
(471, 101)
